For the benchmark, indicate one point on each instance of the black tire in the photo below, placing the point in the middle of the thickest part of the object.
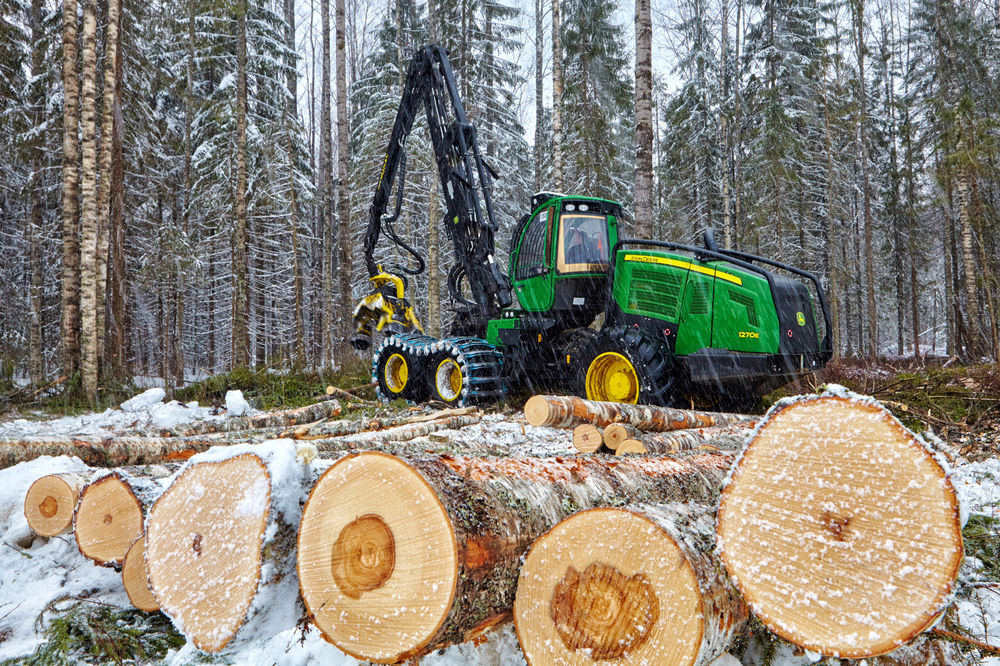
(650, 360)
(399, 372)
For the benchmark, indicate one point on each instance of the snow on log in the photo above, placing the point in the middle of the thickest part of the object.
(118, 451)
(112, 507)
(636, 585)
(566, 411)
(587, 438)
(135, 579)
(839, 527)
(220, 543)
(616, 433)
(401, 556)
(51, 500)
(729, 438)
(328, 409)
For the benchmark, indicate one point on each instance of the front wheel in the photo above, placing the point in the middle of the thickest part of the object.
(626, 364)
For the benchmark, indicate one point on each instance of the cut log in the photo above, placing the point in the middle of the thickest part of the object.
(638, 585)
(616, 433)
(226, 521)
(630, 446)
(51, 500)
(120, 451)
(587, 438)
(403, 433)
(840, 528)
(134, 577)
(728, 438)
(399, 557)
(561, 411)
(111, 510)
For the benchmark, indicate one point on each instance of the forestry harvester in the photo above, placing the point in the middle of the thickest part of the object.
(678, 321)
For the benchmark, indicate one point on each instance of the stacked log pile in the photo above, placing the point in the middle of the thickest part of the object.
(827, 519)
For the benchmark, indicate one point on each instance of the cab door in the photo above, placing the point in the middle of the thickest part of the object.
(531, 262)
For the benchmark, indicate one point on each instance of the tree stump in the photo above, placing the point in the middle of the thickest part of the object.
(111, 510)
(135, 579)
(220, 543)
(840, 528)
(637, 585)
(51, 500)
(398, 557)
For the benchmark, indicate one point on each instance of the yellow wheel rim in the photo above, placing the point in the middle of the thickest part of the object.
(448, 380)
(396, 373)
(612, 378)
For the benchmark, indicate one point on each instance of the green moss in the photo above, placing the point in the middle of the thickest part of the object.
(81, 631)
(982, 541)
(267, 389)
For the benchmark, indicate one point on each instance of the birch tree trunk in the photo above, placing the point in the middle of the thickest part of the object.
(70, 323)
(89, 213)
(345, 261)
(962, 188)
(643, 120)
(557, 86)
(241, 293)
(325, 195)
(104, 183)
(36, 342)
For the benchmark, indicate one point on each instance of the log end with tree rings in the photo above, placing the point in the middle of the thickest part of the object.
(135, 580)
(587, 438)
(204, 541)
(50, 502)
(377, 558)
(614, 585)
(840, 528)
(630, 446)
(108, 519)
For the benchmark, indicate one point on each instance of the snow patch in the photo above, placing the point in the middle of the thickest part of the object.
(236, 404)
(144, 400)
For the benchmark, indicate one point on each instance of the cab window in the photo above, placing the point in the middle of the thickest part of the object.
(583, 243)
(531, 257)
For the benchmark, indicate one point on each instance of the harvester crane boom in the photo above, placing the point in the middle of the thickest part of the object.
(466, 184)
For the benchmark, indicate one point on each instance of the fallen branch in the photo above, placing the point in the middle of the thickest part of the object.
(985, 648)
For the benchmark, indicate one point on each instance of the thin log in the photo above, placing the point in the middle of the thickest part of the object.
(423, 551)
(402, 433)
(728, 438)
(135, 579)
(636, 585)
(284, 419)
(326, 429)
(118, 451)
(616, 433)
(111, 511)
(835, 515)
(346, 394)
(560, 411)
(226, 518)
(51, 500)
(587, 438)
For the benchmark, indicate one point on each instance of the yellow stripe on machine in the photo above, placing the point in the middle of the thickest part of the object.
(676, 263)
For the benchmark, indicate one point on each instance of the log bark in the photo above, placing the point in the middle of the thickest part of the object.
(51, 500)
(423, 551)
(567, 411)
(220, 543)
(118, 451)
(727, 438)
(135, 579)
(111, 511)
(402, 433)
(834, 515)
(587, 438)
(636, 585)
(616, 433)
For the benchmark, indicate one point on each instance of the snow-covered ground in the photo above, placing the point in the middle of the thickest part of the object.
(34, 570)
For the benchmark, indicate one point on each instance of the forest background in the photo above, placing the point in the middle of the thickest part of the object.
(184, 184)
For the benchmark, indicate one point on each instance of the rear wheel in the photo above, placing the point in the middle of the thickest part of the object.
(627, 365)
